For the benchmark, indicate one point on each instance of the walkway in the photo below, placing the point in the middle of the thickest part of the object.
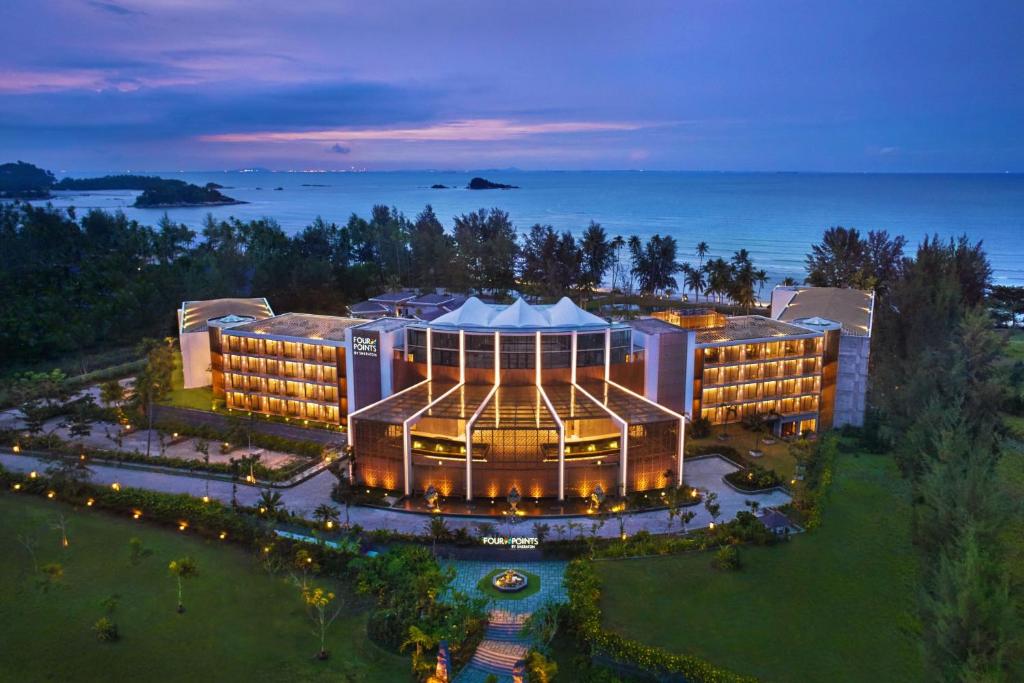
(504, 644)
(304, 498)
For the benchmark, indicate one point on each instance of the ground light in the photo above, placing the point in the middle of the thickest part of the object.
(17, 487)
(33, 474)
(223, 535)
(136, 514)
(116, 486)
(51, 494)
(16, 449)
(90, 502)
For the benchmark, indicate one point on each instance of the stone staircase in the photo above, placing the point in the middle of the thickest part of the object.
(502, 647)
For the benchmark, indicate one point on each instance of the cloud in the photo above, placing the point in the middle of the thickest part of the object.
(113, 8)
(339, 148)
(466, 130)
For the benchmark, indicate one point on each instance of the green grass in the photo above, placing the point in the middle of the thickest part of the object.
(835, 604)
(487, 588)
(240, 625)
(1014, 350)
(200, 398)
(776, 456)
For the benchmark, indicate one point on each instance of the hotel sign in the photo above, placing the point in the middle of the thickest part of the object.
(364, 346)
(512, 542)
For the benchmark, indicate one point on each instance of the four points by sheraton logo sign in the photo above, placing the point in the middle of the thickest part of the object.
(512, 542)
(364, 346)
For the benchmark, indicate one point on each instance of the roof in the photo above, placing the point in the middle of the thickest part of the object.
(653, 326)
(302, 326)
(851, 308)
(387, 324)
(393, 297)
(748, 328)
(773, 519)
(519, 315)
(368, 308)
(431, 299)
(194, 314)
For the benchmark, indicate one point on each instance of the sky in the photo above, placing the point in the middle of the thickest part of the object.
(728, 85)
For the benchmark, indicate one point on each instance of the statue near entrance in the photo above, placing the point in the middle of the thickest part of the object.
(514, 498)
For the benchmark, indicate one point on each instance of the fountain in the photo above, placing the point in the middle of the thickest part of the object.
(509, 581)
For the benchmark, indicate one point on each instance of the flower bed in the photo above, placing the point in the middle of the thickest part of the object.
(754, 478)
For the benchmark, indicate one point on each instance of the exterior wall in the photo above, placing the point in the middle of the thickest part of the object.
(195, 358)
(852, 382)
(302, 380)
(673, 351)
(731, 376)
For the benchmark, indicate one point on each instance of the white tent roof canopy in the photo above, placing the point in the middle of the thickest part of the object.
(519, 315)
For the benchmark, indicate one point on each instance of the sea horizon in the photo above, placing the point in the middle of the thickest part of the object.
(775, 215)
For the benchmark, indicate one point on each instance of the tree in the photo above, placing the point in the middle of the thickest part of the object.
(702, 251)
(61, 525)
(111, 393)
(183, 569)
(654, 263)
(304, 567)
(685, 518)
(318, 602)
(437, 529)
(327, 515)
(153, 383)
(79, 423)
(420, 641)
(845, 259)
(540, 669)
(68, 474)
(541, 626)
(431, 251)
(597, 252)
(712, 506)
(693, 279)
(486, 251)
(269, 502)
(541, 531)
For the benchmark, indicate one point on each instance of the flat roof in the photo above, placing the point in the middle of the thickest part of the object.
(741, 328)
(194, 314)
(653, 326)
(393, 297)
(387, 324)
(851, 308)
(301, 326)
(432, 299)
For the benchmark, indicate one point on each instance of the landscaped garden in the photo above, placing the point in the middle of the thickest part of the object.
(240, 623)
(835, 604)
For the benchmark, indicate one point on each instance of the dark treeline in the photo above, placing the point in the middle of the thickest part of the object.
(72, 282)
(936, 397)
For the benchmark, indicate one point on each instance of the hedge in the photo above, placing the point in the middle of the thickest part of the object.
(584, 590)
(210, 520)
(309, 449)
(58, 447)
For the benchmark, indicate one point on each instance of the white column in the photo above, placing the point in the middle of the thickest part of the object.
(407, 458)
(573, 359)
(462, 356)
(682, 444)
(607, 354)
(622, 463)
(430, 354)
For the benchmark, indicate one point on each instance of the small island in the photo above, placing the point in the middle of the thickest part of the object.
(157, 193)
(484, 184)
(438, 186)
(21, 180)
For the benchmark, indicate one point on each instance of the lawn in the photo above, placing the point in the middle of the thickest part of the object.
(834, 604)
(776, 456)
(199, 399)
(240, 623)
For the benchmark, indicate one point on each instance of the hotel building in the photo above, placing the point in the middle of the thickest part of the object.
(551, 400)
(292, 365)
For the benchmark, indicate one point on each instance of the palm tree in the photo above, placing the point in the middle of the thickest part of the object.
(420, 640)
(438, 529)
(789, 282)
(326, 514)
(702, 251)
(181, 569)
(694, 280)
(761, 278)
(269, 502)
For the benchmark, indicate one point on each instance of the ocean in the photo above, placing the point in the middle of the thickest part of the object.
(775, 216)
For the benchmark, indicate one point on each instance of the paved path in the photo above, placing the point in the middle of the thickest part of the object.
(504, 645)
(304, 498)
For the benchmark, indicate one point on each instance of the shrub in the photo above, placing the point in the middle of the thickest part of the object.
(700, 428)
(727, 558)
(105, 630)
(754, 478)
